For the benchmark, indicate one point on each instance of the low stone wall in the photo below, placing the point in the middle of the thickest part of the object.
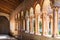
(26, 36)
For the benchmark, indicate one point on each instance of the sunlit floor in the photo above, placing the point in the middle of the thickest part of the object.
(58, 36)
(6, 37)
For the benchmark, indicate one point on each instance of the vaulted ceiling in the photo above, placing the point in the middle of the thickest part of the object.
(7, 6)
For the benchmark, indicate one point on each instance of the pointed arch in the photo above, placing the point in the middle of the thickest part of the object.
(22, 13)
(27, 13)
(37, 8)
(47, 6)
(31, 11)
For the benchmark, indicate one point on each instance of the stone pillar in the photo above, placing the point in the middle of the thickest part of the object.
(36, 25)
(55, 22)
(39, 24)
(51, 21)
(12, 25)
(43, 23)
(46, 25)
(27, 25)
(19, 28)
(31, 26)
(24, 24)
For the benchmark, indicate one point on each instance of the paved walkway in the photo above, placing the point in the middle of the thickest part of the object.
(6, 37)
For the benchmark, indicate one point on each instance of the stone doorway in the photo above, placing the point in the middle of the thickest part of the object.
(4, 25)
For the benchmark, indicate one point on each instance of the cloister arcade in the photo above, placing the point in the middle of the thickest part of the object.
(32, 19)
(38, 20)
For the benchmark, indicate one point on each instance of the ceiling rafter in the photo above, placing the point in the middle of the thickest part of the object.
(8, 6)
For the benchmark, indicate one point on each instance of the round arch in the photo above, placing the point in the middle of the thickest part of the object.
(4, 14)
(4, 25)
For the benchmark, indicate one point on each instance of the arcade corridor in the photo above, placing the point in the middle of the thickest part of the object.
(30, 19)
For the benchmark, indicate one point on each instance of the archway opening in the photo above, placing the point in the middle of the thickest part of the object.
(4, 25)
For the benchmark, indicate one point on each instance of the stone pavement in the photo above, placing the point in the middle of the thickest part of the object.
(6, 37)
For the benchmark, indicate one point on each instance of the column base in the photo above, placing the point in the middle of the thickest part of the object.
(54, 36)
(26, 31)
(31, 32)
(37, 33)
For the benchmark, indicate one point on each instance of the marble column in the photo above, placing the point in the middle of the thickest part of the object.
(27, 25)
(24, 24)
(38, 30)
(36, 24)
(51, 21)
(47, 25)
(55, 22)
(31, 26)
(43, 23)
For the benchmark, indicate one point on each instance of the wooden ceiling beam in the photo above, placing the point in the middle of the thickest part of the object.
(11, 3)
(5, 7)
(4, 10)
(8, 4)
(14, 2)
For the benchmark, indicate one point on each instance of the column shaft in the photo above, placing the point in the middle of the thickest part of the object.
(55, 22)
(36, 24)
(51, 20)
(23, 24)
(31, 26)
(47, 25)
(43, 24)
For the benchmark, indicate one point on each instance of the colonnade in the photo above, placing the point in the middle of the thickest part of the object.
(34, 28)
(31, 17)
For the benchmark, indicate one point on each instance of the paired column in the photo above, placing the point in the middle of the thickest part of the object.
(38, 28)
(24, 24)
(55, 22)
(45, 23)
(36, 25)
(51, 21)
(27, 25)
(31, 25)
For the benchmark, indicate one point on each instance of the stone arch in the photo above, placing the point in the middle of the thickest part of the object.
(31, 11)
(22, 12)
(4, 25)
(47, 6)
(4, 14)
(37, 8)
(27, 13)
